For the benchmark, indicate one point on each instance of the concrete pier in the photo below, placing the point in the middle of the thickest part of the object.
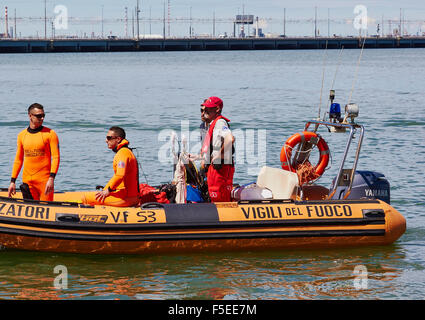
(191, 44)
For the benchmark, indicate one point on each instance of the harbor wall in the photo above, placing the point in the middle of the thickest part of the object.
(192, 44)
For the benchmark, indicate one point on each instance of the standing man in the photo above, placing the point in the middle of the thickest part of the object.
(38, 151)
(123, 188)
(218, 150)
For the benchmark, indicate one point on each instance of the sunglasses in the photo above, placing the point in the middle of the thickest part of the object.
(206, 110)
(39, 116)
(109, 138)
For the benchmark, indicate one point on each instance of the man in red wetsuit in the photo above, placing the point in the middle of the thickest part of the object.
(218, 150)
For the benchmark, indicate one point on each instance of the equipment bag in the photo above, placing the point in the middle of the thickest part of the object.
(151, 194)
(193, 194)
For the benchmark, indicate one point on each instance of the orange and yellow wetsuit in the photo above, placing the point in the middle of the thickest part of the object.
(124, 184)
(38, 151)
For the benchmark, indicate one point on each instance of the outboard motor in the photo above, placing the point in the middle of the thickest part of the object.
(366, 184)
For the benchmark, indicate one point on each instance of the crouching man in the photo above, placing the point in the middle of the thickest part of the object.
(123, 188)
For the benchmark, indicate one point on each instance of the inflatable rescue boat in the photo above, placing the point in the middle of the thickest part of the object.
(282, 210)
(160, 228)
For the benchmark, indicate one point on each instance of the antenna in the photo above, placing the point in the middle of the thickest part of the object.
(357, 70)
(139, 164)
(335, 111)
(337, 67)
(323, 77)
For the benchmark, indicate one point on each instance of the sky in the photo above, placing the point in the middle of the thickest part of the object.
(211, 16)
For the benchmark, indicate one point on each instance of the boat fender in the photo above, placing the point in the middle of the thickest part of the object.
(67, 217)
(305, 136)
(151, 205)
(373, 213)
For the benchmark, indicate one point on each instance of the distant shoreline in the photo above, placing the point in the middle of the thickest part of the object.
(203, 44)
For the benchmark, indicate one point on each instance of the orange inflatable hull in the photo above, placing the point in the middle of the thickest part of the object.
(65, 226)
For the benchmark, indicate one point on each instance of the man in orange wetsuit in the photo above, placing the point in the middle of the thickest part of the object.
(218, 150)
(123, 188)
(38, 151)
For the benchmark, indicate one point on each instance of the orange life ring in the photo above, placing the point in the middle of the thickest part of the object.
(305, 136)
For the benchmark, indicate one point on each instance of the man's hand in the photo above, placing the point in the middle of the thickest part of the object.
(12, 189)
(50, 186)
(101, 195)
(216, 159)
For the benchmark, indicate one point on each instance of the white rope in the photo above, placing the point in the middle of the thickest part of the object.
(305, 151)
(298, 151)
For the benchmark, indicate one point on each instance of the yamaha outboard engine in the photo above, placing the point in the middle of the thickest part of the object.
(366, 184)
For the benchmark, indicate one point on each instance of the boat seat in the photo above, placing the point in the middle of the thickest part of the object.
(282, 183)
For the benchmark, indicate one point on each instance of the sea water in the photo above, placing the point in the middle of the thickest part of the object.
(268, 95)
